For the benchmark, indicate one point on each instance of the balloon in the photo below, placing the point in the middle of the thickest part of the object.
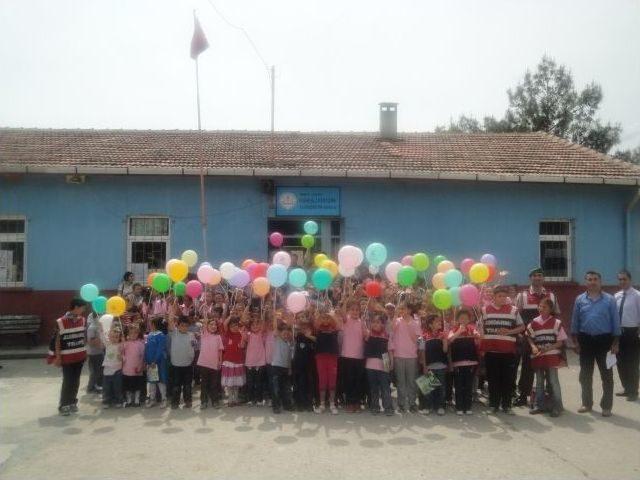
(276, 239)
(206, 263)
(282, 258)
(407, 260)
(466, 264)
(319, 259)
(177, 270)
(453, 278)
(310, 227)
(179, 288)
(116, 306)
(479, 273)
(488, 259)
(170, 264)
(89, 292)
(420, 262)
(391, 271)
(190, 258)
(277, 275)
(297, 278)
(161, 283)
(240, 279)
(106, 321)
(261, 286)
(373, 289)
(194, 288)
(442, 299)
(492, 273)
(296, 302)
(350, 256)
(346, 271)
(252, 270)
(455, 296)
(227, 270)
(469, 295)
(331, 266)
(150, 278)
(407, 276)
(245, 264)
(445, 266)
(209, 275)
(321, 278)
(376, 254)
(373, 269)
(438, 258)
(307, 241)
(99, 305)
(438, 280)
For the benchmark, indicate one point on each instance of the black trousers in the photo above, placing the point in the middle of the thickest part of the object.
(463, 380)
(182, 378)
(500, 375)
(303, 384)
(525, 383)
(70, 384)
(95, 372)
(280, 388)
(629, 360)
(353, 382)
(255, 383)
(210, 387)
(594, 348)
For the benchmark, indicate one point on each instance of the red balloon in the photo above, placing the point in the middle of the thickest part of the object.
(260, 269)
(492, 273)
(373, 289)
(252, 270)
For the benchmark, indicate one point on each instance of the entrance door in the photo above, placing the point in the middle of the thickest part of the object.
(328, 238)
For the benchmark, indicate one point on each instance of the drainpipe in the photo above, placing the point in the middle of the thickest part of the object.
(627, 253)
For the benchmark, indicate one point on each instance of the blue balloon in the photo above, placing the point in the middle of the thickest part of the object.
(455, 296)
(89, 292)
(453, 278)
(277, 275)
(310, 227)
(376, 254)
(297, 278)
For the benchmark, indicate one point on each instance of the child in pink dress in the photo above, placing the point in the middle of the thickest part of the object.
(132, 366)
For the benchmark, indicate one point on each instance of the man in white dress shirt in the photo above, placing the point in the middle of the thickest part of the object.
(628, 302)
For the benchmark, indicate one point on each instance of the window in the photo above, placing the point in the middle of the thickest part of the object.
(328, 238)
(556, 249)
(12, 250)
(148, 244)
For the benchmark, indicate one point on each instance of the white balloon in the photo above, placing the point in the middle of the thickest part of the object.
(346, 271)
(282, 258)
(391, 271)
(350, 256)
(106, 321)
(228, 270)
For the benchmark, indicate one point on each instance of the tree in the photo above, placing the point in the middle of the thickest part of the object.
(547, 100)
(631, 156)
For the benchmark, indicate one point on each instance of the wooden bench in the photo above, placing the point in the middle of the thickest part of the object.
(20, 324)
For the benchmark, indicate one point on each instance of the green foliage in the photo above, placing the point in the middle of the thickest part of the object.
(631, 156)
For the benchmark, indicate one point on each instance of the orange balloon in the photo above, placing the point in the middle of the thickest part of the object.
(331, 266)
(151, 277)
(444, 266)
(261, 286)
(247, 262)
(438, 279)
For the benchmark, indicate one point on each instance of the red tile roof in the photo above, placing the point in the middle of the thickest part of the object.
(508, 156)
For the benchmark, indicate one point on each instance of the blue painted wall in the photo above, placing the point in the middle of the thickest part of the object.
(77, 233)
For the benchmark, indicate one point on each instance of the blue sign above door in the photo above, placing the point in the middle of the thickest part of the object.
(307, 201)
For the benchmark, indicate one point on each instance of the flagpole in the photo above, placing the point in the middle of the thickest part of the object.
(203, 205)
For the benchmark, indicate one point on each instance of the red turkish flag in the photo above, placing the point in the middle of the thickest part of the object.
(199, 42)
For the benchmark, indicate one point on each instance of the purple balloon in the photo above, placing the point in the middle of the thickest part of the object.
(240, 279)
(488, 259)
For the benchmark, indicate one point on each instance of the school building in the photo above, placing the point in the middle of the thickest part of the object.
(80, 206)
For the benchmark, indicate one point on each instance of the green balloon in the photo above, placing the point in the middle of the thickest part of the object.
(99, 305)
(321, 278)
(439, 258)
(308, 241)
(161, 283)
(442, 299)
(407, 276)
(420, 262)
(297, 278)
(180, 289)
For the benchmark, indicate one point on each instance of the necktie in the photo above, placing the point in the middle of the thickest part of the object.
(624, 297)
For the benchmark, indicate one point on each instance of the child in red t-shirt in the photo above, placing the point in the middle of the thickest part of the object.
(233, 374)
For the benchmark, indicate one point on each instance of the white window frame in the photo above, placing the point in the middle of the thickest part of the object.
(325, 237)
(16, 237)
(147, 238)
(558, 238)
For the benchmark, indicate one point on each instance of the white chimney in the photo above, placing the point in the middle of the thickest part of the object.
(389, 120)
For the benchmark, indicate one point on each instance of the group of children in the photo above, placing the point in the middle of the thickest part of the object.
(345, 350)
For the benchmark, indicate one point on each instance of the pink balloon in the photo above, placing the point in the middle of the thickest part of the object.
(261, 270)
(206, 273)
(282, 258)
(407, 260)
(296, 302)
(466, 264)
(252, 270)
(194, 288)
(350, 256)
(469, 295)
(391, 271)
(276, 239)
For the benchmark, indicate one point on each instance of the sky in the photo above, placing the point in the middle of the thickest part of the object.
(125, 64)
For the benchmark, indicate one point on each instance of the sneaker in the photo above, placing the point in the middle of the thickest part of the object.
(509, 411)
(249, 403)
(632, 398)
(374, 411)
(459, 412)
(174, 406)
(401, 410)
(120, 405)
(606, 413)
(584, 409)
(319, 409)
(106, 406)
(260, 403)
(203, 406)
(73, 408)
(468, 412)
(425, 411)
(163, 404)
(187, 404)
(389, 413)
(150, 404)
(493, 411)
(64, 411)
(413, 409)
(535, 411)
(276, 410)
(440, 411)
(621, 394)
(333, 409)
(554, 414)
(521, 402)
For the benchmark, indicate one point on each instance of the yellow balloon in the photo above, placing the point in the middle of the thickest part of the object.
(319, 259)
(478, 273)
(331, 266)
(177, 270)
(116, 306)
(438, 280)
(261, 286)
(444, 266)
(190, 258)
